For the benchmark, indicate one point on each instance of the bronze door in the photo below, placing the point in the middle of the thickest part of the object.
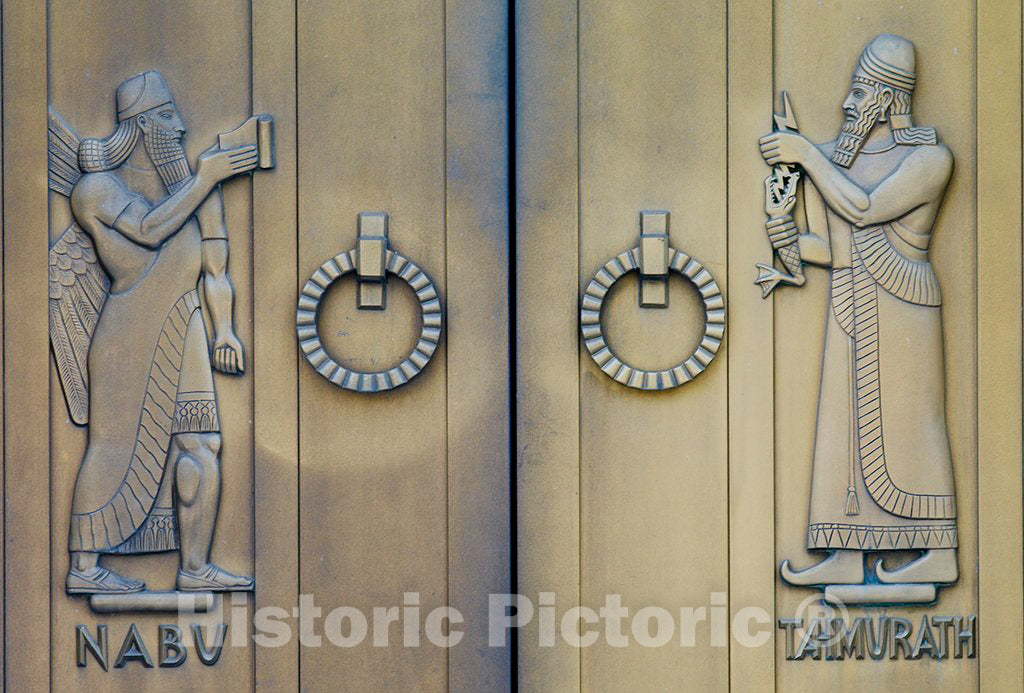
(549, 345)
(395, 499)
(682, 503)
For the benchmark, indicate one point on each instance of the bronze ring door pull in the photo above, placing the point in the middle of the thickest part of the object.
(653, 258)
(372, 260)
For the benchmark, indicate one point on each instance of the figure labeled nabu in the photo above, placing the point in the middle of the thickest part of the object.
(882, 474)
(130, 340)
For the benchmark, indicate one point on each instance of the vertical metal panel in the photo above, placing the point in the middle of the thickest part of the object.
(413, 520)
(1000, 582)
(373, 475)
(649, 124)
(816, 47)
(203, 51)
(654, 494)
(275, 353)
(3, 350)
(751, 371)
(479, 404)
(547, 348)
(27, 611)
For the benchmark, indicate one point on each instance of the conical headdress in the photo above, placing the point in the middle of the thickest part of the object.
(889, 60)
(141, 93)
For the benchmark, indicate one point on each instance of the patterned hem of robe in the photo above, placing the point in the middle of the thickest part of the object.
(158, 533)
(872, 538)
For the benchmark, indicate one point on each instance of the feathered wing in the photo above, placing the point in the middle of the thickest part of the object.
(63, 155)
(78, 283)
(78, 290)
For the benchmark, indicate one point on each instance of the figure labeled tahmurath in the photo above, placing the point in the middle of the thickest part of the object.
(882, 472)
(130, 281)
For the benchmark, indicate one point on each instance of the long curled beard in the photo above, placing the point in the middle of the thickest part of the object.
(855, 130)
(168, 155)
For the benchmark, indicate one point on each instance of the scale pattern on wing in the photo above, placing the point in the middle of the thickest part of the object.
(78, 290)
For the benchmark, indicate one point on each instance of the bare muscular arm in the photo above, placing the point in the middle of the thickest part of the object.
(151, 226)
(218, 289)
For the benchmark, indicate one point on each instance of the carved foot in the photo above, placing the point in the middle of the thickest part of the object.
(99, 580)
(210, 578)
(937, 566)
(841, 568)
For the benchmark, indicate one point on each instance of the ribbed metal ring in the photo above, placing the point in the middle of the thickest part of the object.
(377, 381)
(691, 366)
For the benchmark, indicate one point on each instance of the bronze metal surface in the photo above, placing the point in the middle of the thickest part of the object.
(388, 105)
(654, 499)
(793, 464)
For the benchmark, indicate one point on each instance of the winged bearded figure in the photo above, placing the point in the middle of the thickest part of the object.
(130, 340)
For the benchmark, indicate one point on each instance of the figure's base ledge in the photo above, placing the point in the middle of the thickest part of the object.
(194, 602)
(905, 593)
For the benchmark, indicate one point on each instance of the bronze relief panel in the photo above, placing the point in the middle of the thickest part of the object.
(152, 392)
(875, 445)
(276, 428)
(861, 462)
(181, 230)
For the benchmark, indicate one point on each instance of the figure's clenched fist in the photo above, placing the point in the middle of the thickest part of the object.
(784, 148)
(228, 356)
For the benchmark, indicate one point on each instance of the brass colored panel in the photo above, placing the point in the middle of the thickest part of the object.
(27, 610)
(478, 244)
(547, 353)
(373, 473)
(635, 479)
(207, 68)
(751, 377)
(392, 498)
(1000, 555)
(3, 343)
(773, 384)
(652, 135)
(944, 37)
(275, 351)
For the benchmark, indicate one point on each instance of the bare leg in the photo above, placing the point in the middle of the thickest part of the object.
(841, 568)
(197, 480)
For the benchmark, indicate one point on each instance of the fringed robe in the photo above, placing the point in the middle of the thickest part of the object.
(881, 434)
(150, 378)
